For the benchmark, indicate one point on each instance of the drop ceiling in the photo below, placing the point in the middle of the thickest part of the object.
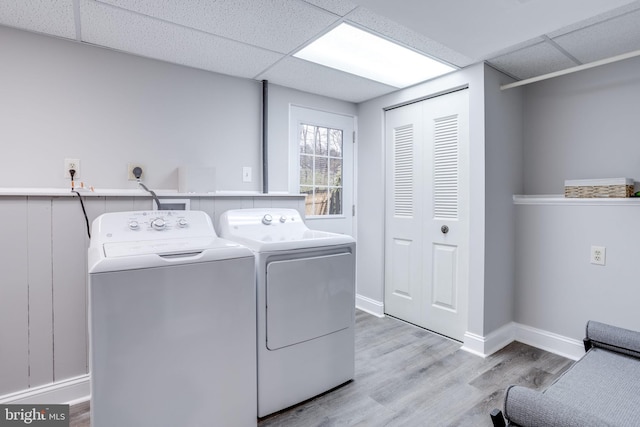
(256, 39)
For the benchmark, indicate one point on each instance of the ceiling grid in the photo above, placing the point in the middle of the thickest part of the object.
(256, 39)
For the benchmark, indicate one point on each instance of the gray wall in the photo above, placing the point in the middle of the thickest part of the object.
(558, 289)
(62, 99)
(503, 179)
(583, 125)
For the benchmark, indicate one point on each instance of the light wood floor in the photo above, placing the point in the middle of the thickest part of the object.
(407, 376)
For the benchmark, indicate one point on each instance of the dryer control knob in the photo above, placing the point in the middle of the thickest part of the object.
(133, 225)
(182, 222)
(283, 218)
(266, 220)
(158, 224)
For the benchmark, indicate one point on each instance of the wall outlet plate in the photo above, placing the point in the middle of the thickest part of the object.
(72, 164)
(598, 255)
(131, 167)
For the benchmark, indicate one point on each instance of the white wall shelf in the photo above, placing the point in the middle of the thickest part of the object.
(120, 192)
(559, 199)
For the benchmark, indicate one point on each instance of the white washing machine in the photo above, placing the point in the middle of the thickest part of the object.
(306, 304)
(172, 323)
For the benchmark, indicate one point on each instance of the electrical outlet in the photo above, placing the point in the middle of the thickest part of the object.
(598, 255)
(72, 164)
(131, 167)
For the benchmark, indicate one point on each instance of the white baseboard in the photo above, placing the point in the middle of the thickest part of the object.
(485, 346)
(549, 341)
(545, 340)
(70, 391)
(369, 305)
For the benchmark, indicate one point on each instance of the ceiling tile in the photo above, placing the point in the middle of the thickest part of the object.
(517, 47)
(339, 7)
(531, 61)
(278, 25)
(604, 40)
(44, 16)
(116, 28)
(396, 32)
(306, 76)
(614, 13)
(478, 28)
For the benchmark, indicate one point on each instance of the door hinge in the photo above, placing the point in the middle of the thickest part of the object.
(354, 136)
(353, 210)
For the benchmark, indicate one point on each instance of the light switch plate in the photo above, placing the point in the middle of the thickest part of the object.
(246, 174)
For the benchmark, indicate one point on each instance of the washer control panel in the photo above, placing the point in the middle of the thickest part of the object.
(157, 220)
(152, 225)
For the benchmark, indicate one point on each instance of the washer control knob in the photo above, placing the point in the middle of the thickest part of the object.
(182, 222)
(283, 218)
(266, 220)
(158, 224)
(133, 225)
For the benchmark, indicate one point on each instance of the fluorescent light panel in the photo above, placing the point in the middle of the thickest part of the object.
(358, 52)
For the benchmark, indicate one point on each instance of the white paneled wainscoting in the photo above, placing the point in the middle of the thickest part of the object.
(43, 289)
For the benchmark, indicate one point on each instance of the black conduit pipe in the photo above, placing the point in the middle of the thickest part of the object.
(265, 138)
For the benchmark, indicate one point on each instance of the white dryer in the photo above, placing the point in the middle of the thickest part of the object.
(306, 304)
(172, 323)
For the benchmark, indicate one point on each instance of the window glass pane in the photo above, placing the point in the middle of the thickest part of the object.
(321, 171)
(307, 138)
(335, 172)
(321, 141)
(321, 201)
(335, 201)
(308, 201)
(306, 170)
(335, 142)
(321, 151)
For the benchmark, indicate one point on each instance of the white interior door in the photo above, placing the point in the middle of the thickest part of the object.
(427, 226)
(403, 215)
(321, 167)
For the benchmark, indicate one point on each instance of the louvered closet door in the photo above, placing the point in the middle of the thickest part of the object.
(404, 205)
(428, 213)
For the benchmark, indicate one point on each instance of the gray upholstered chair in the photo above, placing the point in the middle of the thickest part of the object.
(600, 389)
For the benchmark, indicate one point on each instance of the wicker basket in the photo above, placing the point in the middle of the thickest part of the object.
(585, 188)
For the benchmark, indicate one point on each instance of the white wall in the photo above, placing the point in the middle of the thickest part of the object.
(583, 125)
(65, 99)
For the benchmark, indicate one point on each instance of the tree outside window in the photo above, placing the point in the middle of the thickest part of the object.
(321, 169)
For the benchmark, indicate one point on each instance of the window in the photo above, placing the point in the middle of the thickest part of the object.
(321, 166)
(321, 162)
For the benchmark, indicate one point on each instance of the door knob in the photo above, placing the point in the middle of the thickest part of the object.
(444, 229)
